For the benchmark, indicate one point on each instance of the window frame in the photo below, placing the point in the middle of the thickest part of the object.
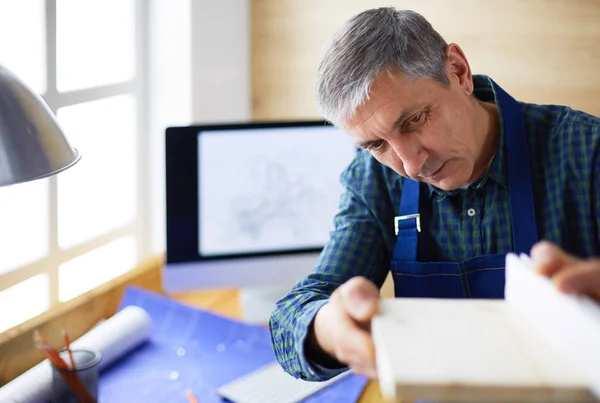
(138, 87)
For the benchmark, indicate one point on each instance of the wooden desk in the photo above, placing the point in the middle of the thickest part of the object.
(226, 302)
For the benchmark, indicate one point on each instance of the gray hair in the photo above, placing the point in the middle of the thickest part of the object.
(381, 39)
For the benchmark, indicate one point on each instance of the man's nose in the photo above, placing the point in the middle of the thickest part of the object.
(412, 156)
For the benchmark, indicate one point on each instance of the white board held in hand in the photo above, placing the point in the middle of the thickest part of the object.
(537, 345)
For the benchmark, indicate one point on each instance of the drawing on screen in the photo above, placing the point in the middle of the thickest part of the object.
(284, 200)
(272, 193)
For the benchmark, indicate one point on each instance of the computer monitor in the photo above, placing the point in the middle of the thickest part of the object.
(250, 204)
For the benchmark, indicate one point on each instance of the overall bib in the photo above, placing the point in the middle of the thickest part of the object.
(481, 276)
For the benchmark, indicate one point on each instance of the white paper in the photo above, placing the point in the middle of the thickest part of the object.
(112, 338)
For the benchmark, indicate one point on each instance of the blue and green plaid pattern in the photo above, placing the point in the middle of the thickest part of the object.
(564, 150)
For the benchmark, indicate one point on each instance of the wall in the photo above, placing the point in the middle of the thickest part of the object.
(544, 51)
(169, 101)
(220, 60)
(199, 58)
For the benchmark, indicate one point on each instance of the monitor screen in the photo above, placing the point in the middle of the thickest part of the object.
(245, 197)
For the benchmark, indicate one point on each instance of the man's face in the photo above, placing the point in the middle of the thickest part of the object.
(420, 129)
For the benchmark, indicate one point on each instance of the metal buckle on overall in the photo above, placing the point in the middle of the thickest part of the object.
(416, 216)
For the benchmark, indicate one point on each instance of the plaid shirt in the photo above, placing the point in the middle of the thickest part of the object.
(564, 154)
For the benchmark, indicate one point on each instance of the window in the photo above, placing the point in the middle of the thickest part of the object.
(61, 236)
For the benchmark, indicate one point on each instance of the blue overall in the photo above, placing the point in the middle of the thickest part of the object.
(481, 276)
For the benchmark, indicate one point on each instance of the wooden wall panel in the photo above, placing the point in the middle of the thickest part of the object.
(543, 51)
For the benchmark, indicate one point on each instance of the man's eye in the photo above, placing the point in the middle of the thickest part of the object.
(376, 146)
(416, 118)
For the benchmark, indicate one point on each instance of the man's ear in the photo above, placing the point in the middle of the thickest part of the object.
(458, 69)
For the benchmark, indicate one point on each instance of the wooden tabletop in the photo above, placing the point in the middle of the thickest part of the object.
(226, 302)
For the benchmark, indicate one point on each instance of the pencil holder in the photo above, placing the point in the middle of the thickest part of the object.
(79, 384)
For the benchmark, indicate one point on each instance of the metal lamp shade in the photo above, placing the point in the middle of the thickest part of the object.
(32, 144)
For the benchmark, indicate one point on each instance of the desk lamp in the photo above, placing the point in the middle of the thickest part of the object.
(32, 144)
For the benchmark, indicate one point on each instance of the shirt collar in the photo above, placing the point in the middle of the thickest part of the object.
(484, 90)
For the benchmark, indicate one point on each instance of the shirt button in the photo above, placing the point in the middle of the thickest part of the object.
(471, 212)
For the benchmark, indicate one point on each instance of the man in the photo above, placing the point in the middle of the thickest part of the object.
(453, 174)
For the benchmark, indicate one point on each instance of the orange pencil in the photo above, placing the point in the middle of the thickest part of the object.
(190, 396)
(70, 378)
(48, 350)
(68, 347)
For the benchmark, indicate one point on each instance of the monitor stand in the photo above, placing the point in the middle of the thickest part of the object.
(257, 303)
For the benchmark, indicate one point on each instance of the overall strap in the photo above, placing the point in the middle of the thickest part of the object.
(408, 223)
(520, 184)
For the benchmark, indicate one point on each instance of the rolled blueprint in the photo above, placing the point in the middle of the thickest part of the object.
(113, 338)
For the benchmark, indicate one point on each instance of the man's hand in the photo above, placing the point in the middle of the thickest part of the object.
(342, 327)
(570, 274)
